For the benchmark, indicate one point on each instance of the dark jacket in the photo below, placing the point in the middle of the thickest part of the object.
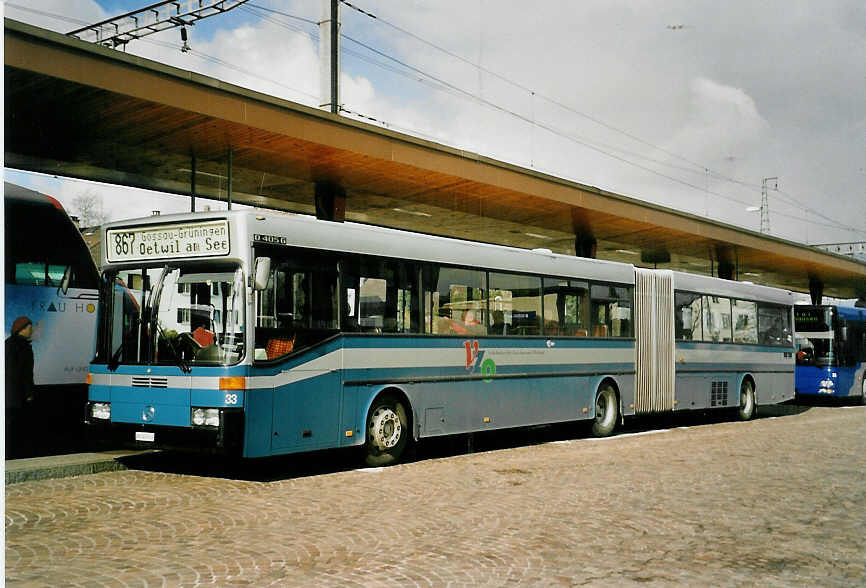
(19, 371)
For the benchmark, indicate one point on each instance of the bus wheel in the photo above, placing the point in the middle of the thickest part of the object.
(387, 431)
(747, 401)
(606, 412)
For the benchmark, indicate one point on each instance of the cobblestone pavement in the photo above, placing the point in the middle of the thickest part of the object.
(772, 502)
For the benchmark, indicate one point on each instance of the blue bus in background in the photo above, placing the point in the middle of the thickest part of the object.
(831, 359)
(257, 334)
(42, 244)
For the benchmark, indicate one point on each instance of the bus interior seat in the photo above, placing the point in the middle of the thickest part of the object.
(279, 346)
(203, 337)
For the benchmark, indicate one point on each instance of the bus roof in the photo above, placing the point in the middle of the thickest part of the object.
(732, 289)
(305, 231)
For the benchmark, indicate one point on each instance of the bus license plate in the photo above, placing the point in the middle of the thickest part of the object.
(145, 436)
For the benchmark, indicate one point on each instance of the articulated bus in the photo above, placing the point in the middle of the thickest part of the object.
(831, 356)
(257, 334)
(41, 245)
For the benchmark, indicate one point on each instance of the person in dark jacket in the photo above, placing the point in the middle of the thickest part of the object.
(19, 389)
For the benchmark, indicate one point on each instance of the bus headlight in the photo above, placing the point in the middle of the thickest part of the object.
(100, 410)
(205, 417)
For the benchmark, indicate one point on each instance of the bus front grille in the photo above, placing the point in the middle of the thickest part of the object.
(149, 382)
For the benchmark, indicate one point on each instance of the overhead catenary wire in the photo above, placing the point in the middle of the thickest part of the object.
(699, 168)
(418, 75)
(559, 133)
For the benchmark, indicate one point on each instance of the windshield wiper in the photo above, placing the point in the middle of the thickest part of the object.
(114, 360)
(178, 357)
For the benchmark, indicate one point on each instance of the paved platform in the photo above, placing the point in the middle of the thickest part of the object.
(64, 466)
(777, 501)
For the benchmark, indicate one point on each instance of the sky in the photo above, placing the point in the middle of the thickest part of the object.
(689, 104)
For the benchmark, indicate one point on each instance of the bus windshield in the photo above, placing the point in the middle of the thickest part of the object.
(176, 316)
(816, 337)
(815, 351)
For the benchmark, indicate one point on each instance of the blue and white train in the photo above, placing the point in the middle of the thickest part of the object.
(42, 245)
(259, 334)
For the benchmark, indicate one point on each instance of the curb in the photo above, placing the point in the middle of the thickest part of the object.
(65, 466)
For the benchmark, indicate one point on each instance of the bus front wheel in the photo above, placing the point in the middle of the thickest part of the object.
(387, 431)
(606, 412)
(747, 401)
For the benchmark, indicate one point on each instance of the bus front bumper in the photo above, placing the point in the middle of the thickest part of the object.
(226, 438)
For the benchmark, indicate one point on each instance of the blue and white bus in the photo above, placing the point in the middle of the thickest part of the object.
(831, 359)
(260, 334)
(41, 244)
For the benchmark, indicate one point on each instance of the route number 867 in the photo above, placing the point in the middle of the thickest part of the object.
(123, 243)
(231, 398)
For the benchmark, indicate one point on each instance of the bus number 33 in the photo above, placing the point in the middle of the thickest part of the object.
(231, 398)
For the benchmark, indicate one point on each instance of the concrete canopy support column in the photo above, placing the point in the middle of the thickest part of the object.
(727, 268)
(585, 243)
(585, 246)
(330, 202)
(816, 289)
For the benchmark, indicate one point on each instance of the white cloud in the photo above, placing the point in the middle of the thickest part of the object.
(737, 89)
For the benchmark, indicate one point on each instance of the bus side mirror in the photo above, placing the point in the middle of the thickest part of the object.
(66, 280)
(262, 273)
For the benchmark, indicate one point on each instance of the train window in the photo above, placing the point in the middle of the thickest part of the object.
(515, 304)
(716, 312)
(745, 320)
(687, 316)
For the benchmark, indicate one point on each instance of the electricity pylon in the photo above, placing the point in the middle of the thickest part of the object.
(765, 205)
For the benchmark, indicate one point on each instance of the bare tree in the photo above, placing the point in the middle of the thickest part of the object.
(88, 208)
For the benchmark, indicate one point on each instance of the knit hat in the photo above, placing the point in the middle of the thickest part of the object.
(19, 324)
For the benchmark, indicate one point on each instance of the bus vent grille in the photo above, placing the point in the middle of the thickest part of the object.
(149, 382)
(719, 394)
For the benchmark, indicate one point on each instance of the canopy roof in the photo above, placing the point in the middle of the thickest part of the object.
(81, 110)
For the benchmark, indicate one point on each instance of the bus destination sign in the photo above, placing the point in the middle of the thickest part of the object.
(155, 242)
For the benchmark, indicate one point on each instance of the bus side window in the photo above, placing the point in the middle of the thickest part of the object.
(518, 299)
(745, 320)
(456, 300)
(773, 326)
(380, 296)
(687, 316)
(716, 311)
(611, 310)
(566, 307)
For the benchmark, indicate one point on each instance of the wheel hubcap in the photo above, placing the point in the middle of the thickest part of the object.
(385, 428)
(603, 408)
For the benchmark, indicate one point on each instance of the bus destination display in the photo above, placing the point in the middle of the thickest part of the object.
(203, 239)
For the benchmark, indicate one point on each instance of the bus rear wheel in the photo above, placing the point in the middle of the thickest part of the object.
(387, 431)
(747, 402)
(606, 412)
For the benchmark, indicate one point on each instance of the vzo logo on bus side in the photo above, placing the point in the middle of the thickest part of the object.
(475, 360)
